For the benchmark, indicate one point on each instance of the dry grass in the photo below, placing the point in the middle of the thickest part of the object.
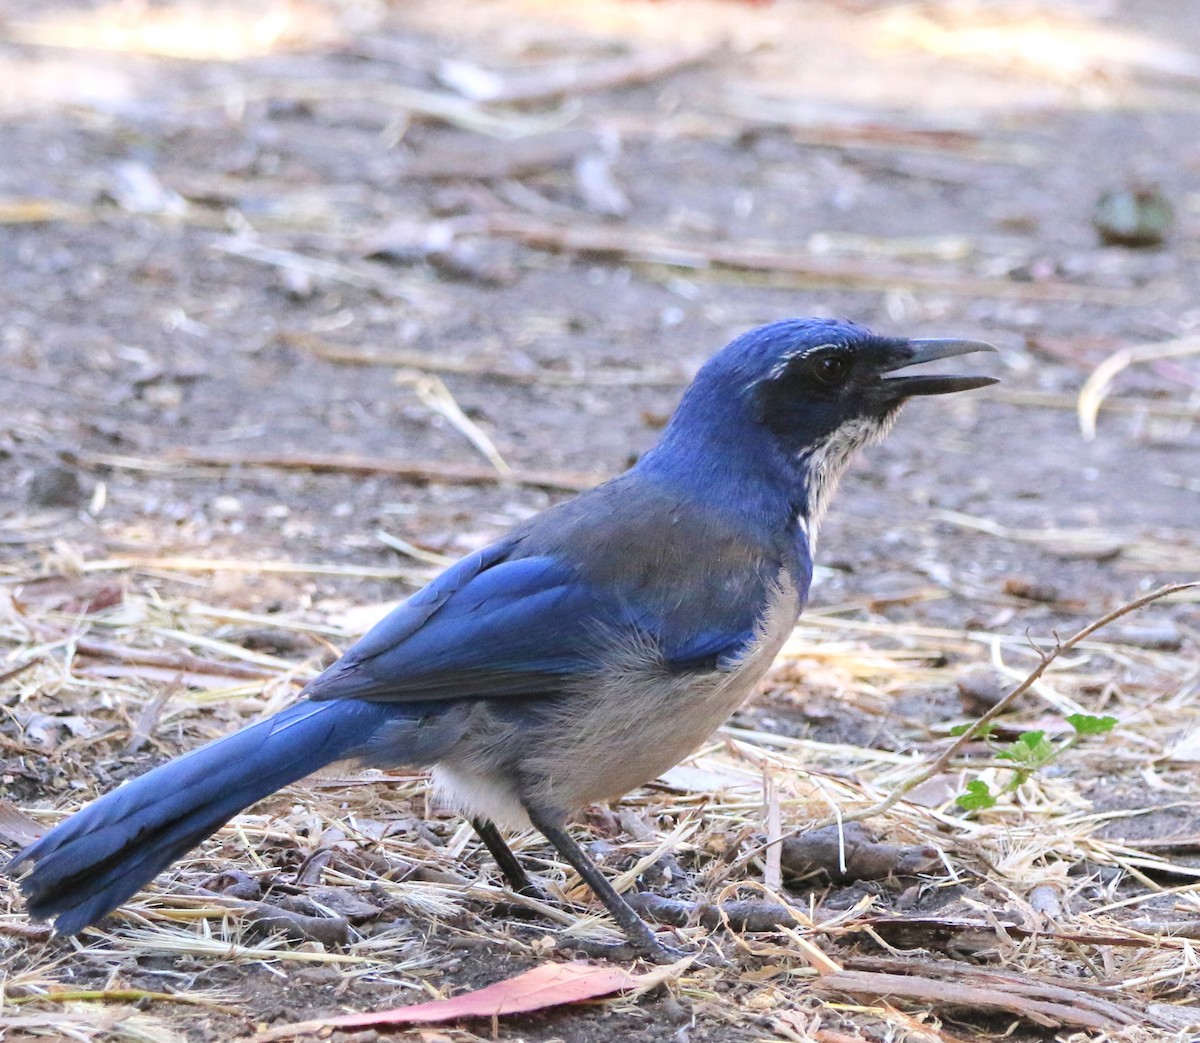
(1071, 906)
(1042, 885)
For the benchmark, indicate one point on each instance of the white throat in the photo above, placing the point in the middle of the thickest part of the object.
(828, 460)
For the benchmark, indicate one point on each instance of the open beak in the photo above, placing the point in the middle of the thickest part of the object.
(902, 353)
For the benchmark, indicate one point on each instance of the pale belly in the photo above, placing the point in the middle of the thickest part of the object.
(621, 729)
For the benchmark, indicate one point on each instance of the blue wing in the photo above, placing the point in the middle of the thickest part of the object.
(525, 615)
(509, 627)
(488, 625)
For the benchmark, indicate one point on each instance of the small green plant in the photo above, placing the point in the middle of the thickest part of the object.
(1086, 724)
(976, 797)
(1027, 753)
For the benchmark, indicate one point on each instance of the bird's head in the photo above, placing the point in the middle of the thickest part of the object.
(790, 403)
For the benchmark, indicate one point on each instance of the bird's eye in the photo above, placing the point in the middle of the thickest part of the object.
(830, 371)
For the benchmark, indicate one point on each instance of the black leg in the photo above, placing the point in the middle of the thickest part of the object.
(639, 934)
(510, 865)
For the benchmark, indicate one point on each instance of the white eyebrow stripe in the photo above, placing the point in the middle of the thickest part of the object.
(784, 361)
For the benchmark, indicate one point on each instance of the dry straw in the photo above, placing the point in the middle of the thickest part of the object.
(356, 874)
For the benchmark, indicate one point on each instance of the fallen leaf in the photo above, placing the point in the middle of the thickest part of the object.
(548, 985)
(16, 826)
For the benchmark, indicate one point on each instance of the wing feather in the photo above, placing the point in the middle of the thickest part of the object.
(537, 610)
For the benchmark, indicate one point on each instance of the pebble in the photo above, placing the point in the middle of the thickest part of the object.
(55, 485)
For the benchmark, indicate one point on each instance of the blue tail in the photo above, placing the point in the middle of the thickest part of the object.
(94, 861)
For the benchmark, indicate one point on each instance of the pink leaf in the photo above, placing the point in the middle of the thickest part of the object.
(547, 985)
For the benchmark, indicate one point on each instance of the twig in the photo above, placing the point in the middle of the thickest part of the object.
(1130, 404)
(148, 719)
(1158, 930)
(773, 869)
(1177, 843)
(317, 267)
(280, 568)
(1097, 544)
(34, 210)
(491, 160)
(1095, 388)
(434, 394)
(1049, 1006)
(33, 931)
(268, 918)
(425, 557)
(571, 77)
(19, 669)
(912, 932)
(436, 105)
(184, 662)
(476, 366)
(419, 472)
(939, 764)
(831, 128)
(120, 996)
(640, 245)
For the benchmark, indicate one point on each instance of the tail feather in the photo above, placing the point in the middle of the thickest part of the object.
(95, 860)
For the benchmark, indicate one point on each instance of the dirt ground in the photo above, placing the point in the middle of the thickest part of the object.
(282, 281)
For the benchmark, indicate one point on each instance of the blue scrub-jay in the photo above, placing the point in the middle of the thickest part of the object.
(580, 656)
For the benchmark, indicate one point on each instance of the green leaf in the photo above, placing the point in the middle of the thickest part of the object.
(1086, 724)
(1030, 750)
(977, 796)
(982, 731)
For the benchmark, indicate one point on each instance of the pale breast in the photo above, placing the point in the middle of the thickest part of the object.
(635, 720)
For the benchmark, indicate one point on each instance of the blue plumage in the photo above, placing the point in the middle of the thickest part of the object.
(104, 854)
(532, 611)
(575, 658)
